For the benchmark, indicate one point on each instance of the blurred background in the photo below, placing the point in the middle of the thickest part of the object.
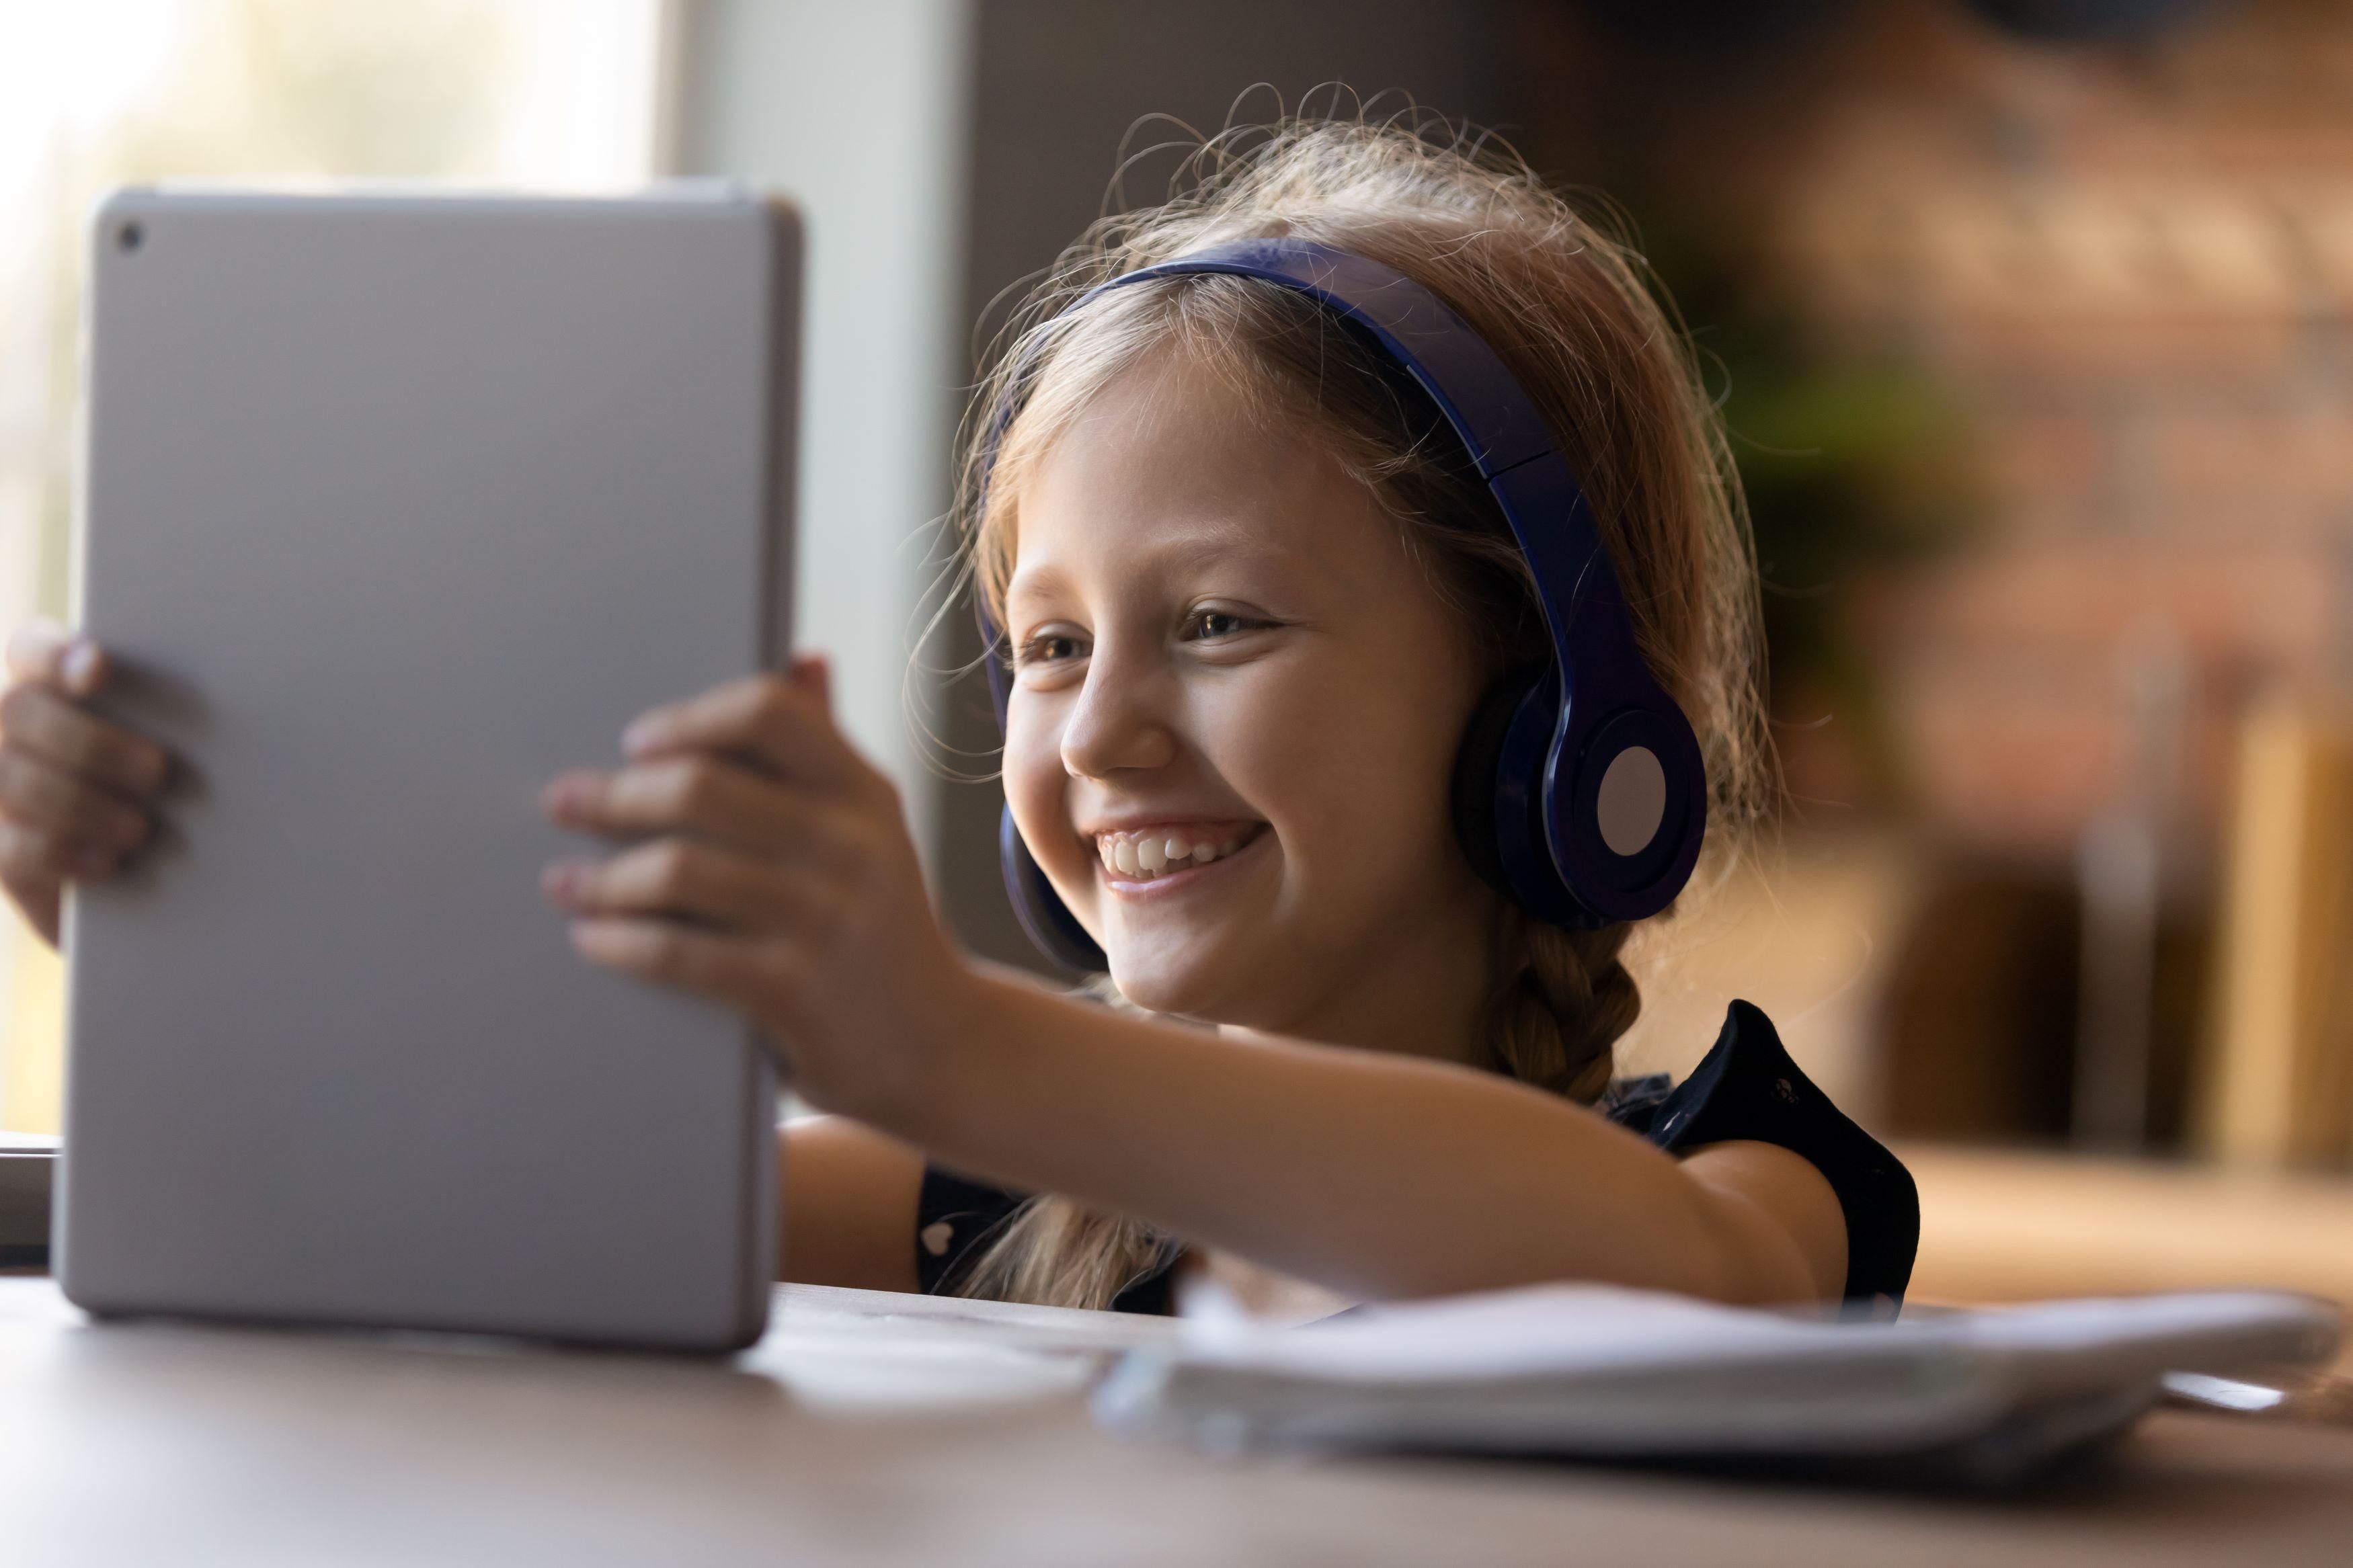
(2032, 322)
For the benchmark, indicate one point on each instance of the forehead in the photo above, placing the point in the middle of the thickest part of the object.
(1166, 466)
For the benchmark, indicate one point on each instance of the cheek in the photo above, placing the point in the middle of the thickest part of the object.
(1352, 764)
(1035, 786)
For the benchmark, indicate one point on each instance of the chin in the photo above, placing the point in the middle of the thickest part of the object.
(1192, 979)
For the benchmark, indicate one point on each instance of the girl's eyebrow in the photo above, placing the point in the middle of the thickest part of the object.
(1186, 547)
(1037, 583)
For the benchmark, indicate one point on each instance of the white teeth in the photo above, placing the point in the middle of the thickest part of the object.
(1145, 858)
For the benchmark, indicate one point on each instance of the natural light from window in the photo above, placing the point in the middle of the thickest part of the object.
(99, 93)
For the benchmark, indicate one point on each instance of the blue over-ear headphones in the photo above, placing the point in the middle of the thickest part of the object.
(1579, 790)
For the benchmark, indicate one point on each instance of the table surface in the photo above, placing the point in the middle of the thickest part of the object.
(902, 1429)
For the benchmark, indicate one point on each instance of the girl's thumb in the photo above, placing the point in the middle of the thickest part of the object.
(813, 673)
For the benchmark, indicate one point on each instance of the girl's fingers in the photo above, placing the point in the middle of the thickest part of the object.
(45, 652)
(33, 858)
(678, 876)
(37, 719)
(24, 872)
(65, 810)
(727, 968)
(697, 793)
(813, 673)
(782, 723)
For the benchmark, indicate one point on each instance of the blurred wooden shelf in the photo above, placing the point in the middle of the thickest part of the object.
(2005, 1226)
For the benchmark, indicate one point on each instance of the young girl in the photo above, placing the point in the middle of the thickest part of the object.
(1252, 593)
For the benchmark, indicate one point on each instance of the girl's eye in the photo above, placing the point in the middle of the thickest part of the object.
(1049, 648)
(1207, 625)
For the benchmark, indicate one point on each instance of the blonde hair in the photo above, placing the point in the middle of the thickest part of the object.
(1568, 309)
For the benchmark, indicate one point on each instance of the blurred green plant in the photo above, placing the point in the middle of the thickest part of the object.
(1861, 469)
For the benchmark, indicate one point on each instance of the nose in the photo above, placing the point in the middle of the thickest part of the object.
(1121, 719)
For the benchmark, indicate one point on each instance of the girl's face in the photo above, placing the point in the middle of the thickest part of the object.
(1234, 717)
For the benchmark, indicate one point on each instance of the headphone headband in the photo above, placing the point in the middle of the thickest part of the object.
(1563, 808)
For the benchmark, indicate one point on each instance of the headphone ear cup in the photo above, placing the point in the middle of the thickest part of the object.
(1478, 770)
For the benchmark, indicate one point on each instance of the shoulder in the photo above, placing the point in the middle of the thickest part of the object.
(1747, 1087)
(956, 1219)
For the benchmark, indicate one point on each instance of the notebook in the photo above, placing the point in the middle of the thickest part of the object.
(1994, 1396)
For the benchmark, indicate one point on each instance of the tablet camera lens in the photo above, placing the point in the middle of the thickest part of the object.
(129, 237)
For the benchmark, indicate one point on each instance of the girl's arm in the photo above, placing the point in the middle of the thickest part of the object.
(775, 874)
(848, 1213)
(852, 1191)
(1372, 1175)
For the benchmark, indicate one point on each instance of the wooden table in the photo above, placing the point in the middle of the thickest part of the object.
(2005, 1224)
(891, 1429)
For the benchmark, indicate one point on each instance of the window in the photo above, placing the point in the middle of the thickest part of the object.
(99, 93)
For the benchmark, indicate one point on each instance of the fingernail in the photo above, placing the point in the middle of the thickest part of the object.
(567, 796)
(561, 881)
(642, 734)
(80, 666)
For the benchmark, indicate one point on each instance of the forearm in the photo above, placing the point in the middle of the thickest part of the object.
(849, 1205)
(1376, 1176)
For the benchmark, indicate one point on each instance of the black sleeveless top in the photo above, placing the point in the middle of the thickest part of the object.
(1746, 1088)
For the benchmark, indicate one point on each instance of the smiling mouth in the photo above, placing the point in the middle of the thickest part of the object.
(1146, 856)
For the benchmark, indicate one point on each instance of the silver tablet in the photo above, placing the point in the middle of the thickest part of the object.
(395, 507)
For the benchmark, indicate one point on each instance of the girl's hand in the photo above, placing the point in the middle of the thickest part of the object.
(771, 870)
(76, 792)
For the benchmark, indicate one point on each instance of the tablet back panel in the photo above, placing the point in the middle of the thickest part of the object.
(396, 507)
